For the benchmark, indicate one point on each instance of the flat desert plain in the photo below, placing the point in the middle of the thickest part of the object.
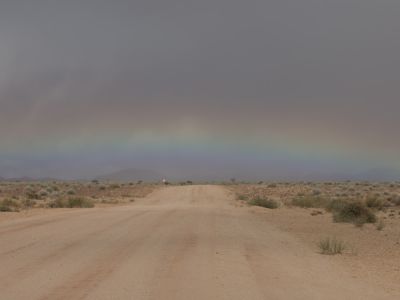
(192, 242)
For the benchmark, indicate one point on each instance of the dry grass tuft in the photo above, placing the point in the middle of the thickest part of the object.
(331, 246)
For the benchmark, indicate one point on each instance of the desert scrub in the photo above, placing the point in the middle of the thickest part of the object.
(71, 203)
(55, 188)
(28, 203)
(8, 205)
(30, 194)
(336, 204)
(110, 201)
(374, 202)
(354, 212)
(57, 203)
(263, 202)
(43, 193)
(395, 200)
(80, 202)
(242, 197)
(310, 201)
(71, 192)
(331, 246)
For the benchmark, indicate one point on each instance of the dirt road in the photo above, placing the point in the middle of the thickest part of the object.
(179, 243)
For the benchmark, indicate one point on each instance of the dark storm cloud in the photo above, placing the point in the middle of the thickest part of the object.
(318, 68)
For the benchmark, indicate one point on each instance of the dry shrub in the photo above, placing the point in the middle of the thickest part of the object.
(73, 202)
(331, 246)
(8, 205)
(374, 202)
(263, 202)
(354, 212)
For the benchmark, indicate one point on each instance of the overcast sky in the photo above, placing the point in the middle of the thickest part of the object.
(310, 85)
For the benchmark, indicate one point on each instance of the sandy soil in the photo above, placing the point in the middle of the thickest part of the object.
(190, 242)
(370, 254)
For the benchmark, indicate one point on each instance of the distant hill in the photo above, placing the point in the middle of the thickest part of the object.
(132, 174)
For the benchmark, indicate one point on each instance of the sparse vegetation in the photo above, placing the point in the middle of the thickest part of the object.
(263, 202)
(374, 202)
(71, 192)
(395, 200)
(8, 205)
(28, 203)
(336, 205)
(242, 197)
(73, 202)
(354, 212)
(331, 246)
(57, 203)
(30, 194)
(18, 196)
(310, 201)
(5, 208)
(80, 202)
(316, 213)
(350, 202)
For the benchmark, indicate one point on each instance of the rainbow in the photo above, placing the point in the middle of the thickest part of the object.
(254, 147)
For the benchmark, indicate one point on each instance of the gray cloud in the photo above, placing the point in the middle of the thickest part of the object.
(308, 69)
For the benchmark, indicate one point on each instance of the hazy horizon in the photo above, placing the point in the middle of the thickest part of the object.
(200, 89)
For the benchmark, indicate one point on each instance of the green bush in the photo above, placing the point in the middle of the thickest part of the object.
(267, 203)
(354, 212)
